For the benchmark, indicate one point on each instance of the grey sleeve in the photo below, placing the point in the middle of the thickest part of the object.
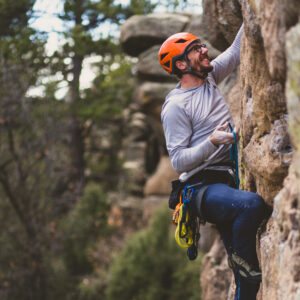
(178, 131)
(227, 61)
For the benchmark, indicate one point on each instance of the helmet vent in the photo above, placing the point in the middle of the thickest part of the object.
(167, 64)
(181, 41)
(162, 56)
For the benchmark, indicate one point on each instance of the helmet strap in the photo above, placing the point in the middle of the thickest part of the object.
(192, 71)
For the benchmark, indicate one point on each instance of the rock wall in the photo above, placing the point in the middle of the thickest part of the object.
(264, 98)
(270, 151)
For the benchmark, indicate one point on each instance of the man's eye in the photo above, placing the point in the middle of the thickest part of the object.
(196, 48)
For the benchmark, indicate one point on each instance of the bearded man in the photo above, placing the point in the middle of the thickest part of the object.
(196, 121)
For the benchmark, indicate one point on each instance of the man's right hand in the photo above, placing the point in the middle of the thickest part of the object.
(221, 137)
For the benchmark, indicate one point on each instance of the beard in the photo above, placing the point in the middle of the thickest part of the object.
(204, 68)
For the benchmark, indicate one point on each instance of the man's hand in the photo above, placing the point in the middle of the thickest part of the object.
(221, 137)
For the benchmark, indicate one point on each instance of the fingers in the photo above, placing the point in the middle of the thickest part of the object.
(221, 137)
(223, 126)
(228, 139)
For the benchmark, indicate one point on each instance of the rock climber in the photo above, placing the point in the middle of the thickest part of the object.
(195, 119)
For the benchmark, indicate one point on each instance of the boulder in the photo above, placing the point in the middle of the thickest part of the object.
(160, 182)
(151, 95)
(139, 32)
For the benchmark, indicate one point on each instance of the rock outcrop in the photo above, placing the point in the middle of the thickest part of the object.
(264, 98)
(139, 33)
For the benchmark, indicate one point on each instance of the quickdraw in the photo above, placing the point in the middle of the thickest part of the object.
(187, 230)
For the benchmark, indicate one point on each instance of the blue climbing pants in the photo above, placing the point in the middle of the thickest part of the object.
(237, 215)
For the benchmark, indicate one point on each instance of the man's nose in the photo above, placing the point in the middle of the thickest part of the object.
(204, 50)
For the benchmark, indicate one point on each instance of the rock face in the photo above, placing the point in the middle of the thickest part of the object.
(282, 238)
(264, 98)
(222, 19)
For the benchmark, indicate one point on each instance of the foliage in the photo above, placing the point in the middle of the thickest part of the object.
(85, 223)
(152, 266)
(111, 92)
(14, 15)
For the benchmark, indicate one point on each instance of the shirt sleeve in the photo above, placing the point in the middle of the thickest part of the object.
(227, 61)
(178, 131)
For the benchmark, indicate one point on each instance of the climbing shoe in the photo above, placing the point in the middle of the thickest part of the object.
(244, 269)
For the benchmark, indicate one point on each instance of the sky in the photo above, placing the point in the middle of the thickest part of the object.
(46, 20)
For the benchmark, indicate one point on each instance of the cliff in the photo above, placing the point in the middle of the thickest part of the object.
(264, 98)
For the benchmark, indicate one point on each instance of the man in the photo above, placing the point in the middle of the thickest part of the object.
(196, 121)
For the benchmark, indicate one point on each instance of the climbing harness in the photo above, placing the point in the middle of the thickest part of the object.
(234, 156)
(187, 230)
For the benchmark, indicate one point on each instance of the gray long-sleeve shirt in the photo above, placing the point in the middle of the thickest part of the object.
(189, 116)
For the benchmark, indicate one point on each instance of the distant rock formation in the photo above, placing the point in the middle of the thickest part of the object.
(264, 98)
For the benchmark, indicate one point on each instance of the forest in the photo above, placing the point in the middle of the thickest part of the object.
(60, 160)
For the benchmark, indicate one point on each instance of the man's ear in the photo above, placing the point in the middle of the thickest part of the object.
(181, 65)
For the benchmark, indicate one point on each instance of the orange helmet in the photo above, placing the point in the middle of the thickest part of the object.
(174, 48)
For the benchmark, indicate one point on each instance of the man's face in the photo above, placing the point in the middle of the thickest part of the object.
(198, 56)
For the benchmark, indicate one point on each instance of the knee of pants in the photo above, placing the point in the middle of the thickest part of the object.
(256, 206)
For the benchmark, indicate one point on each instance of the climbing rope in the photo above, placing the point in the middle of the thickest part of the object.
(234, 156)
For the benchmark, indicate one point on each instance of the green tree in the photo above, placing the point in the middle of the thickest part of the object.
(48, 226)
(14, 16)
(152, 266)
(21, 58)
(82, 17)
